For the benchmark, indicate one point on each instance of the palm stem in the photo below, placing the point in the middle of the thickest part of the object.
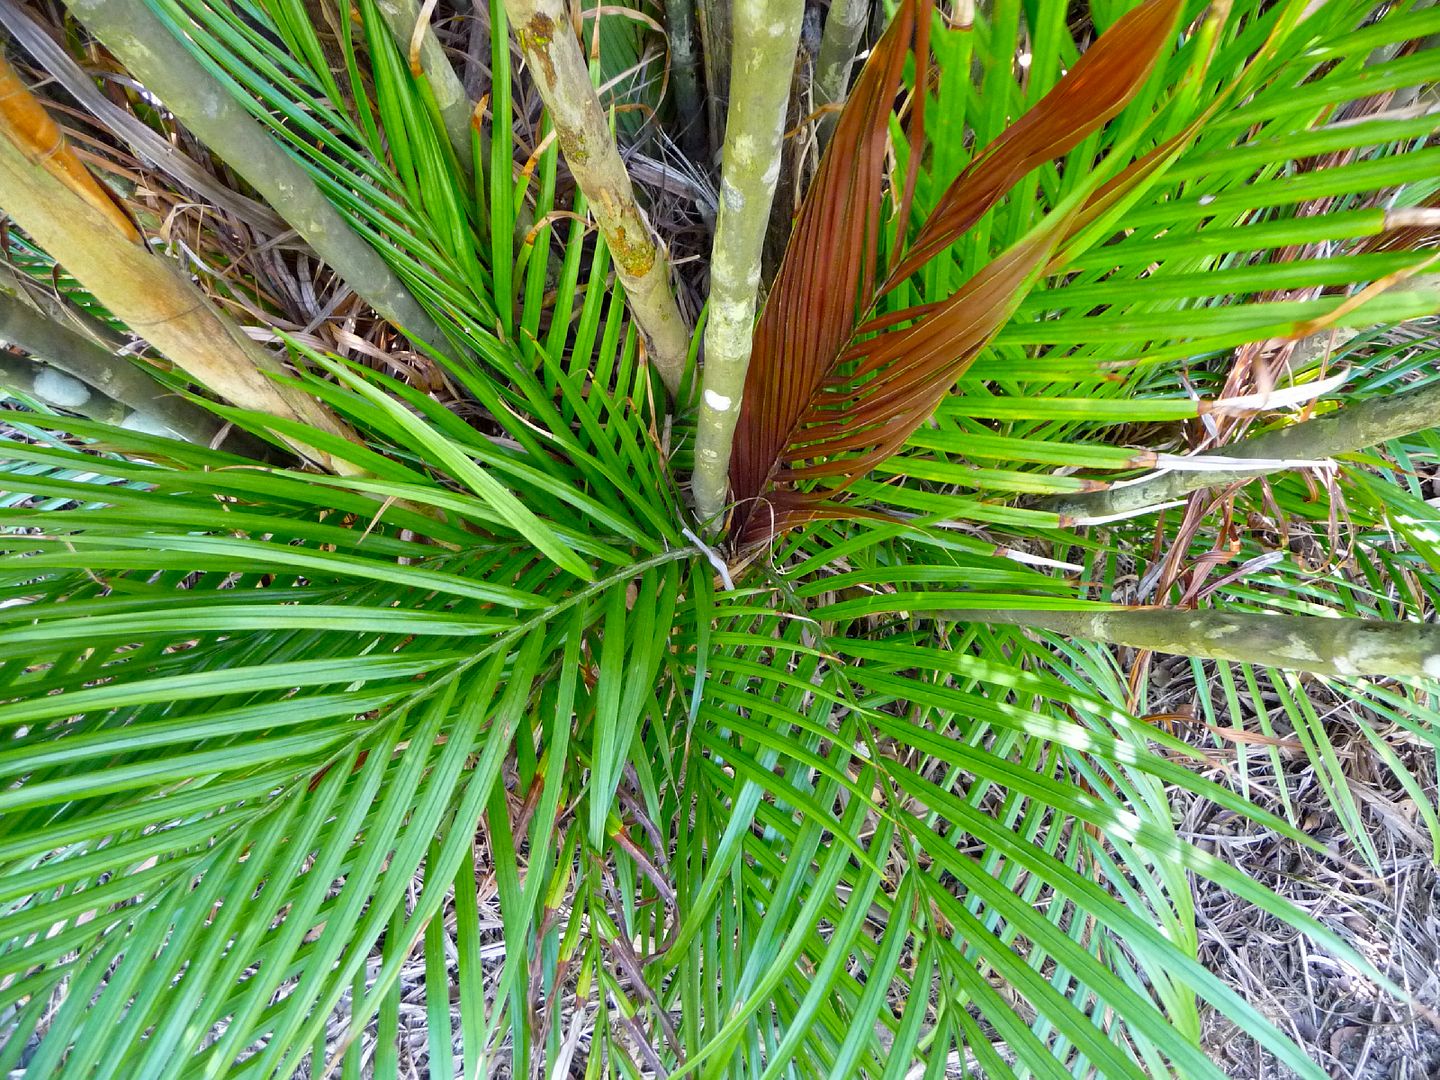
(839, 41)
(53, 306)
(1353, 428)
(116, 379)
(1328, 646)
(150, 294)
(680, 30)
(766, 38)
(28, 377)
(149, 51)
(713, 17)
(553, 56)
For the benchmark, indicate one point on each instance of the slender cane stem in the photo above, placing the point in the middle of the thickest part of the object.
(1354, 427)
(844, 26)
(553, 56)
(1329, 646)
(767, 35)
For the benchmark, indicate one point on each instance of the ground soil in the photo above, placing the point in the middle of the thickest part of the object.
(1352, 1029)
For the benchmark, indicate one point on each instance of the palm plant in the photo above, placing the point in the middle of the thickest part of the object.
(855, 774)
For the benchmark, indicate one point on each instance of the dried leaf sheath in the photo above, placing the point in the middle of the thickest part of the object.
(26, 123)
(834, 389)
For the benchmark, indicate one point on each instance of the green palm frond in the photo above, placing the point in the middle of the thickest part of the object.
(490, 715)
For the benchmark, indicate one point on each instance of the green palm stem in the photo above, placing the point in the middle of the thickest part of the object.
(403, 18)
(1327, 646)
(680, 30)
(552, 53)
(120, 385)
(54, 306)
(844, 26)
(151, 295)
(1350, 429)
(767, 35)
(714, 23)
(169, 416)
(21, 376)
(785, 204)
(150, 52)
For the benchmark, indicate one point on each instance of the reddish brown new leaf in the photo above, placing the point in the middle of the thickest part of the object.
(827, 279)
(903, 374)
(1100, 84)
(833, 389)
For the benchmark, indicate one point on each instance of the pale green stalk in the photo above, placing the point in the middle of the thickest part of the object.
(844, 26)
(28, 378)
(680, 32)
(767, 35)
(120, 386)
(552, 54)
(152, 55)
(1329, 646)
(1353, 428)
(714, 18)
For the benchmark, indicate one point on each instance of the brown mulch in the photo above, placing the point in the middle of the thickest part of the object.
(1350, 1027)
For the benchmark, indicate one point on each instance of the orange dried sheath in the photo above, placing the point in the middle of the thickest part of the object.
(24, 121)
